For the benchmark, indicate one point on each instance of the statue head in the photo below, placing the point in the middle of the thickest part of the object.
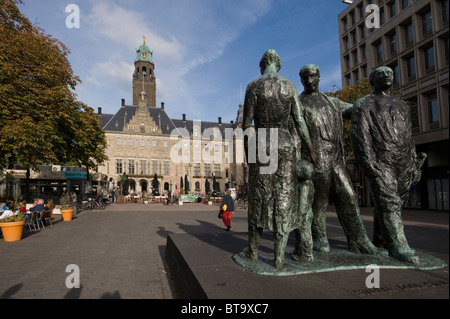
(381, 78)
(310, 77)
(270, 57)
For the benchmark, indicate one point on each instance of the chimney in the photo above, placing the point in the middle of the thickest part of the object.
(99, 111)
(162, 105)
(184, 117)
(123, 102)
(220, 120)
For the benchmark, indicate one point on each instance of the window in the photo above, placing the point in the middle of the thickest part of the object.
(349, 80)
(362, 31)
(393, 8)
(364, 52)
(166, 167)
(197, 171)
(166, 144)
(346, 43)
(355, 57)
(404, 4)
(119, 166)
(393, 43)
(427, 22)
(409, 35)
(414, 112)
(344, 22)
(382, 17)
(207, 169)
(411, 64)
(379, 48)
(154, 167)
(131, 166)
(446, 49)
(130, 141)
(433, 108)
(445, 10)
(354, 39)
(119, 141)
(429, 57)
(154, 143)
(217, 169)
(361, 11)
(143, 167)
(142, 143)
(395, 71)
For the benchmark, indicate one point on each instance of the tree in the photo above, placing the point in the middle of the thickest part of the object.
(350, 94)
(40, 120)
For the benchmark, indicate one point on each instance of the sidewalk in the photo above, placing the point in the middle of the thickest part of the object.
(120, 251)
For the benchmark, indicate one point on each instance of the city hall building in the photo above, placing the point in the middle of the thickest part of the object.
(144, 142)
(413, 40)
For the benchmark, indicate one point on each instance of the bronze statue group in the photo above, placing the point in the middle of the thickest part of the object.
(311, 164)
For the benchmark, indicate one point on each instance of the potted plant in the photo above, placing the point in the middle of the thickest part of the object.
(209, 200)
(12, 222)
(145, 198)
(120, 199)
(66, 209)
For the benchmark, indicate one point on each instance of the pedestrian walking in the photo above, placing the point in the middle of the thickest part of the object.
(228, 209)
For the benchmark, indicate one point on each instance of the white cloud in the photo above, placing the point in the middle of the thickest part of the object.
(183, 36)
(115, 68)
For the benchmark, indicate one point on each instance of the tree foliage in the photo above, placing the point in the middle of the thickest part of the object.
(350, 94)
(41, 122)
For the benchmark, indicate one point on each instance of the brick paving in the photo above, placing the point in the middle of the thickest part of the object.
(120, 251)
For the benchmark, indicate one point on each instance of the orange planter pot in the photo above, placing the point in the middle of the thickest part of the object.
(12, 231)
(67, 214)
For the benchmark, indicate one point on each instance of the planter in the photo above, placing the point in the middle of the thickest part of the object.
(12, 231)
(210, 203)
(120, 200)
(67, 214)
(145, 201)
(180, 203)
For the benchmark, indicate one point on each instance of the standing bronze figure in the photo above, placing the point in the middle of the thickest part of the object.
(323, 116)
(272, 104)
(384, 149)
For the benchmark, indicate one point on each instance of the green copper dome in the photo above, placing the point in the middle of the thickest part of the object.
(144, 53)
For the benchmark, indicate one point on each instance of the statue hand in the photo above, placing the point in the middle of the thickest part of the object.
(374, 170)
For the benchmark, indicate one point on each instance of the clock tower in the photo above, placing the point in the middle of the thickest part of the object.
(144, 77)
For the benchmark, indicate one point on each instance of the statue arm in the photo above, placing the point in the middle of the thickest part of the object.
(302, 128)
(249, 105)
(362, 142)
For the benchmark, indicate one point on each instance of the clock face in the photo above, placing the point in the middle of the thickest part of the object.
(144, 54)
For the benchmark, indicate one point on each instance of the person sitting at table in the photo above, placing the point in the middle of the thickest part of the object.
(8, 212)
(48, 210)
(39, 207)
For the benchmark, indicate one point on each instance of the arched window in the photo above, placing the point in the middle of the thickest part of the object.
(197, 186)
(144, 71)
(166, 186)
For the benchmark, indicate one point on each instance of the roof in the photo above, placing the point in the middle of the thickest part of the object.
(116, 122)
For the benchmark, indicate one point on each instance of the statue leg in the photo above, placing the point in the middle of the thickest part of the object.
(349, 215)
(319, 208)
(303, 235)
(280, 243)
(377, 238)
(254, 239)
(388, 203)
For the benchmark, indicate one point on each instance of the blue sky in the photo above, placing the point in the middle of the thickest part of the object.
(205, 51)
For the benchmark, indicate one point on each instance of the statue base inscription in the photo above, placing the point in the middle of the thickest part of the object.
(336, 259)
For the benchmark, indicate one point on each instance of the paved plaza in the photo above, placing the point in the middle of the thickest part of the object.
(120, 252)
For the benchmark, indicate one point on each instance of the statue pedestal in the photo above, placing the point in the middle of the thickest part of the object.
(336, 259)
(208, 265)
